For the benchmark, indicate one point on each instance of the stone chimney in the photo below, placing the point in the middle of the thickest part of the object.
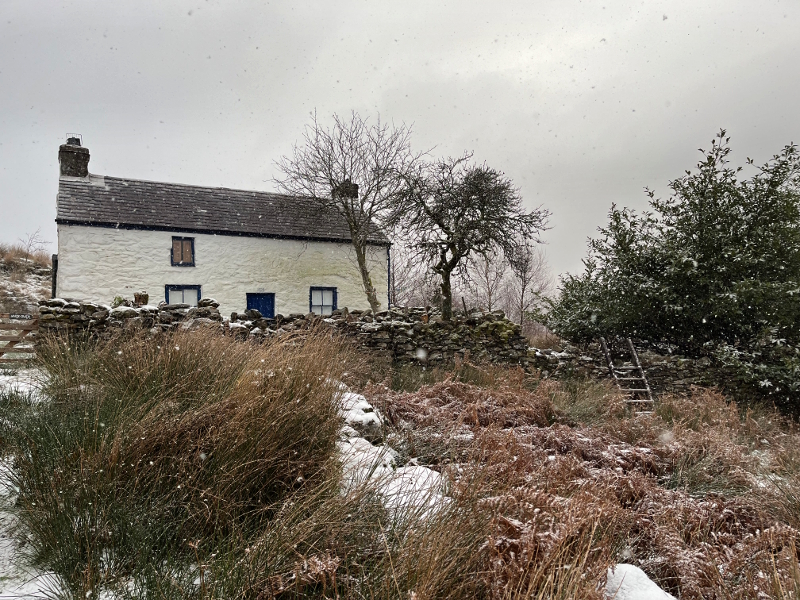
(346, 189)
(73, 158)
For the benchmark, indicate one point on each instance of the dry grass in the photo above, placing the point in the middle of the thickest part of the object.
(18, 257)
(153, 444)
(702, 497)
(193, 457)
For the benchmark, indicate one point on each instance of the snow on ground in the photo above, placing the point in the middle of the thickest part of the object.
(403, 489)
(24, 292)
(629, 582)
(22, 381)
(17, 578)
(359, 414)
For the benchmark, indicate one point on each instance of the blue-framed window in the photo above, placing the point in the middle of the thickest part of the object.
(182, 294)
(182, 252)
(322, 300)
(263, 303)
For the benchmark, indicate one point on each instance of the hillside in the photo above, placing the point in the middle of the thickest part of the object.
(466, 482)
(25, 278)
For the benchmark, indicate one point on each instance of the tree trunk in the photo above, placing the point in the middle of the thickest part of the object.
(447, 296)
(366, 280)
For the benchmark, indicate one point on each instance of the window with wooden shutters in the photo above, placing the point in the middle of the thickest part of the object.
(182, 252)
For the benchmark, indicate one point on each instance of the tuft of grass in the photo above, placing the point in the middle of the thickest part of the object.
(411, 377)
(151, 444)
(587, 401)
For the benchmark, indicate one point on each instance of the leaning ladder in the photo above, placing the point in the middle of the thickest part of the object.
(631, 380)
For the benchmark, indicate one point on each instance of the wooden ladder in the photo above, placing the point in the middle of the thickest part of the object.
(24, 330)
(631, 380)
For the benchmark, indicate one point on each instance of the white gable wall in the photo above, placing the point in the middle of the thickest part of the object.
(98, 263)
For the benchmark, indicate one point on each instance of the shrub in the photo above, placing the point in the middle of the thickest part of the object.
(714, 266)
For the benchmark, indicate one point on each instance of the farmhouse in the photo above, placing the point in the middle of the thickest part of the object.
(179, 243)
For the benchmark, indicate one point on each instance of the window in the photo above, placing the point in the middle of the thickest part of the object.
(182, 252)
(182, 294)
(322, 300)
(263, 303)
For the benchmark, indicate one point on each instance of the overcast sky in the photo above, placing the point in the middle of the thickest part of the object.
(581, 104)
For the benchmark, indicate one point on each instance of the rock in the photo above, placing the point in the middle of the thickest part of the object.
(55, 302)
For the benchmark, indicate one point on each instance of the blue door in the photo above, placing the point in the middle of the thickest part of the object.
(263, 303)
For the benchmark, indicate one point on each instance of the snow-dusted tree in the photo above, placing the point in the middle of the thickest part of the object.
(356, 168)
(451, 210)
(714, 268)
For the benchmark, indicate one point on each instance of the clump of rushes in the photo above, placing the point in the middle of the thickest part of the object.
(153, 450)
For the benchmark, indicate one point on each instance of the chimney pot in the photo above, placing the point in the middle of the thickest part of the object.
(73, 158)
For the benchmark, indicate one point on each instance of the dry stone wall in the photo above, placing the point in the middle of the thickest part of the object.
(665, 372)
(58, 315)
(410, 335)
(402, 335)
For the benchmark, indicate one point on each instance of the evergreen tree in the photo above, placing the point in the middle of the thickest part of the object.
(713, 269)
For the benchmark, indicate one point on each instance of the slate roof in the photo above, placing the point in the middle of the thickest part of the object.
(137, 204)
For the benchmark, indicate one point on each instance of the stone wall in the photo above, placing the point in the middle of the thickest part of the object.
(403, 335)
(409, 335)
(665, 372)
(58, 314)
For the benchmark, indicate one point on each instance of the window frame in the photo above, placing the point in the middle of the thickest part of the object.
(174, 287)
(172, 252)
(316, 288)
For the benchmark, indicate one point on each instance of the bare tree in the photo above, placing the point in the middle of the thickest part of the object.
(451, 209)
(355, 168)
(486, 280)
(530, 278)
(412, 282)
(33, 244)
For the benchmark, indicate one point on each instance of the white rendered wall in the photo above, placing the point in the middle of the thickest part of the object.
(98, 263)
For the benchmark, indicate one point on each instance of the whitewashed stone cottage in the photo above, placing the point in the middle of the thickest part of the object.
(179, 243)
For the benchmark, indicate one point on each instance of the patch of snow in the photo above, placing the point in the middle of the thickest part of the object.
(362, 461)
(629, 582)
(22, 381)
(413, 487)
(409, 489)
(361, 416)
(347, 432)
